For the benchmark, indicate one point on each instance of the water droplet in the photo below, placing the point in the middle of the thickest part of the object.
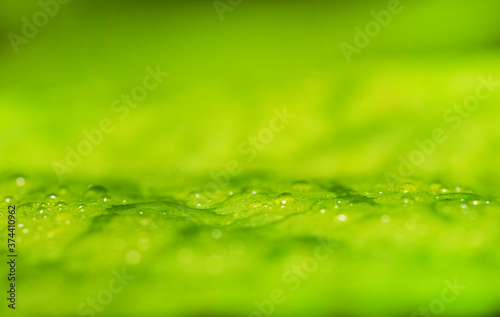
(438, 188)
(197, 200)
(95, 192)
(284, 199)
(61, 205)
(408, 188)
(106, 198)
(385, 218)
(342, 217)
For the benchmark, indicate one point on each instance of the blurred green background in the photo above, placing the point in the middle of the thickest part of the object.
(226, 77)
